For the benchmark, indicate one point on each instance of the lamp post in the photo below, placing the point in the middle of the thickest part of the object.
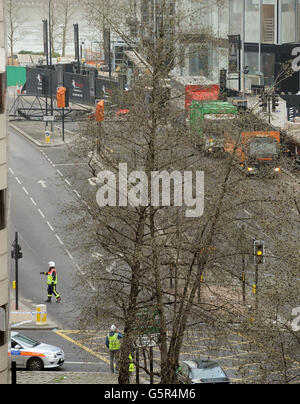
(50, 58)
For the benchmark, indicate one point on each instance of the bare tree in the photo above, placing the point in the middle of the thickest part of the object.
(13, 20)
(188, 270)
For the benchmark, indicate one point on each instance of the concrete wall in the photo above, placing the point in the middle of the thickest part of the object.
(4, 289)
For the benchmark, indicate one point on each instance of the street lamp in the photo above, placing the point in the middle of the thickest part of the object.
(50, 58)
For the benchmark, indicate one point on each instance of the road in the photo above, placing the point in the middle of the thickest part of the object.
(44, 183)
(40, 197)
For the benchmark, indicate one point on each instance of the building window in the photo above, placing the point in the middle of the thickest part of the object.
(3, 210)
(268, 23)
(3, 325)
(198, 62)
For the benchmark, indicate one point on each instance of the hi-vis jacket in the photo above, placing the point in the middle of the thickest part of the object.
(131, 364)
(51, 276)
(113, 341)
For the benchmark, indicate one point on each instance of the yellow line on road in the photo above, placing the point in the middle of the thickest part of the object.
(63, 335)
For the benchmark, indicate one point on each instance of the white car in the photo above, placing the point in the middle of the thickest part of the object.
(33, 355)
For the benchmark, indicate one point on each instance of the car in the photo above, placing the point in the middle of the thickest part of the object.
(201, 371)
(34, 356)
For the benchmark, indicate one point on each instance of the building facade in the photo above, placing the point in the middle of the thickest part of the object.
(196, 31)
(4, 288)
(269, 31)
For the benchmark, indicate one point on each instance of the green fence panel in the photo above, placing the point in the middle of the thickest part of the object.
(15, 74)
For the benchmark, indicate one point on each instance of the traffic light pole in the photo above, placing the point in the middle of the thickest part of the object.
(259, 252)
(17, 272)
(16, 254)
(256, 287)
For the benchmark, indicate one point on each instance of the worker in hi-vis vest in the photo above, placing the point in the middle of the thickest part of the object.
(112, 342)
(131, 367)
(51, 282)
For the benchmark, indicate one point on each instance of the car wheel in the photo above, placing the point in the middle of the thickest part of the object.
(35, 364)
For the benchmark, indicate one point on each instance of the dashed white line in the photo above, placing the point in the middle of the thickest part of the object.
(11, 171)
(80, 270)
(25, 190)
(69, 254)
(17, 179)
(77, 193)
(41, 213)
(59, 172)
(59, 239)
(50, 227)
(92, 287)
(68, 182)
(33, 201)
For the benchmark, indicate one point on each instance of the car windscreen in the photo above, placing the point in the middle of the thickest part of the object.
(23, 340)
(210, 372)
(263, 148)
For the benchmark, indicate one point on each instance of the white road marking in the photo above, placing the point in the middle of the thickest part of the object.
(43, 183)
(59, 239)
(71, 164)
(247, 213)
(86, 204)
(25, 190)
(69, 254)
(77, 193)
(50, 227)
(92, 287)
(41, 213)
(33, 201)
(68, 182)
(80, 270)
(59, 172)
(11, 171)
(18, 181)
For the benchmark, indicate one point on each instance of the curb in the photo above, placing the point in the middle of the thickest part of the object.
(32, 327)
(36, 142)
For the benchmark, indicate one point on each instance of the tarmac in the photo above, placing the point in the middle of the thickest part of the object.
(25, 317)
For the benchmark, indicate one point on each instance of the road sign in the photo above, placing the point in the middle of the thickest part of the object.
(147, 341)
(48, 118)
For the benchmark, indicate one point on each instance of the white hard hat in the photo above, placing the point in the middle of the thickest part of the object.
(113, 328)
(51, 264)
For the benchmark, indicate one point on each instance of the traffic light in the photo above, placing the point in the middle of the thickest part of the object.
(16, 253)
(259, 252)
(275, 102)
(263, 102)
(100, 111)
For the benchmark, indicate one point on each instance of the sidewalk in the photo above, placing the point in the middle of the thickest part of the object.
(60, 377)
(35, 132)
(25, 318)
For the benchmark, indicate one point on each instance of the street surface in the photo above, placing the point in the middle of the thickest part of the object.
(44, 184)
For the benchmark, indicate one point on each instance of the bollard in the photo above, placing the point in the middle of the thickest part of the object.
(41, 314)
(47, 137)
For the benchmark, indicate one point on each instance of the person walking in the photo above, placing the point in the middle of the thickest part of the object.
(112, 342)
(51, 282)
